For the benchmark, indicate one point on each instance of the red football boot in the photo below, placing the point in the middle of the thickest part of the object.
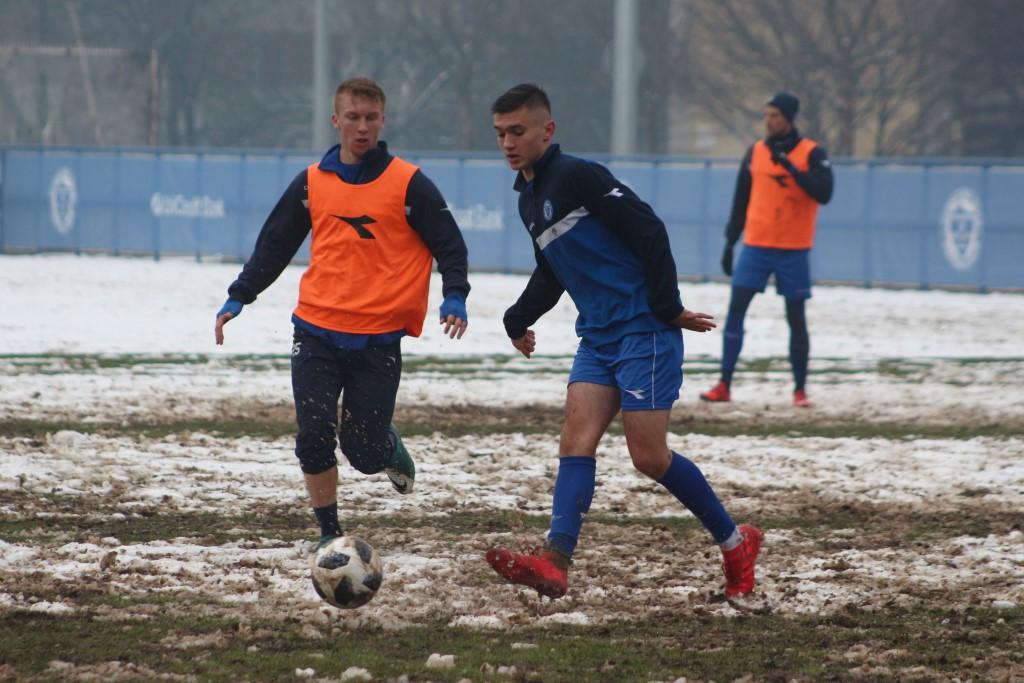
(800, 399)
(717, 394)
(738, 563)
(545, 571)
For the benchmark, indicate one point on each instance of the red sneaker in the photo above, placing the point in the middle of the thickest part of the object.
(738, 563)
(800, 399)
(540, 570)
(717, 394)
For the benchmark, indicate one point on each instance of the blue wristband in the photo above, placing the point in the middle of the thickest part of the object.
(232, 306)
(454, 304)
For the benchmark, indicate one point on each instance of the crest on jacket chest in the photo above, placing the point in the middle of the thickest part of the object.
(539, 216)
(548, 210)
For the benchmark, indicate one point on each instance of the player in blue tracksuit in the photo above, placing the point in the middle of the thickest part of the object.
(595, 239)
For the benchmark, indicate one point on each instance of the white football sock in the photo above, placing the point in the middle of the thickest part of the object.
(734, 540)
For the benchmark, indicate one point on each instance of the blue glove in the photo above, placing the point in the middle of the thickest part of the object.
(454, 304)
(232, 306)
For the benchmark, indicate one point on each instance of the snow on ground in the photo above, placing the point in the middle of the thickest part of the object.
(61, 304)
(97, 304)
(917, 357)
(513, 473)
(924, 391)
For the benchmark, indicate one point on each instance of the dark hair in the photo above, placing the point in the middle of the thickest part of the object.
(523, 95)
(360, 87)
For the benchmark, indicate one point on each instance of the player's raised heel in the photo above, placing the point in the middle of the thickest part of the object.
(540, 571)
(739, 562)
(716, 394)
(401, 470)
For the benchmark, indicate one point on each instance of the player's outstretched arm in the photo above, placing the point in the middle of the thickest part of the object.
(232, 308)
(526, 344)
(694, 321)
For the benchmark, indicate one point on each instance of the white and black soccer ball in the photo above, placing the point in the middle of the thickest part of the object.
(347, 572)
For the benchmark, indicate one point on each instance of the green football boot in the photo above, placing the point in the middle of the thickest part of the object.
(401, 470)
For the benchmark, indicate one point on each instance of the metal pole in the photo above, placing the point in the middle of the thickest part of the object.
(83, 63)
(624, 78)
(153, 136)
(321, 94)
(3, 159)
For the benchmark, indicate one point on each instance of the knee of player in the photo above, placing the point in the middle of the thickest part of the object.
(365, 457)
(316, 462)
(650, 463)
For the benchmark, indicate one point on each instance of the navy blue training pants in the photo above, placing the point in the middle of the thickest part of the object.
(367, 383)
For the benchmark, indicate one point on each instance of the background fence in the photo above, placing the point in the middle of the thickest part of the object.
(931, 222)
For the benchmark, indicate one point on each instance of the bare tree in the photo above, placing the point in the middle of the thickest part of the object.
(462, 53)
(876, 77)
(982, 64)
(860, 66)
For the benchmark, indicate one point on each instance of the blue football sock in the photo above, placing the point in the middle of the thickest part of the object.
(732, 338)
(685, 481)
(574, 489)
(799, 341)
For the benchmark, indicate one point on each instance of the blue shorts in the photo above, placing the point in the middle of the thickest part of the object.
(647, 367)
(792, 269)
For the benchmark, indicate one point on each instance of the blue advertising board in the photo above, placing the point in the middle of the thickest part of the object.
(921, 222)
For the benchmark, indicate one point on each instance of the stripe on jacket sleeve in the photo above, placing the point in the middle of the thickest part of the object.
(561, 227)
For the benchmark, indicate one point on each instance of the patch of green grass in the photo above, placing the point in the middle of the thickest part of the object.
(496, 362)
(62, 362)
(899, 368)
(79, 517)
(985, 360)
(454, 422)
(48, 364)
(759, 365)
(852, 430)
(663, 648)
(228, 428)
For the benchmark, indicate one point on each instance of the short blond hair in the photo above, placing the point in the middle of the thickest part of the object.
(360, 87)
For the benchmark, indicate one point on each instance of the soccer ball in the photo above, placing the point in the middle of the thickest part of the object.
(347, 572)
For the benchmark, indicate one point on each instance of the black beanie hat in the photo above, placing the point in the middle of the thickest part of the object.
(787, 103)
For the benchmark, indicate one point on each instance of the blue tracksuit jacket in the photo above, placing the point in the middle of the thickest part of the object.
(594, 238)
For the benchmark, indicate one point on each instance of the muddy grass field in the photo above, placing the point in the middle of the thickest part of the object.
(153, 526)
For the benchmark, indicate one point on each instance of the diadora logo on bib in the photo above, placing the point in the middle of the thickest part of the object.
(780, 179)
(358, 224)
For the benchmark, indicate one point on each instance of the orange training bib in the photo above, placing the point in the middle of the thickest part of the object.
(369, 271)
(780, 214)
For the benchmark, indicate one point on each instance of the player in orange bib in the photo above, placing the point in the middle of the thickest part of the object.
(781, 182)
(378, 224)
